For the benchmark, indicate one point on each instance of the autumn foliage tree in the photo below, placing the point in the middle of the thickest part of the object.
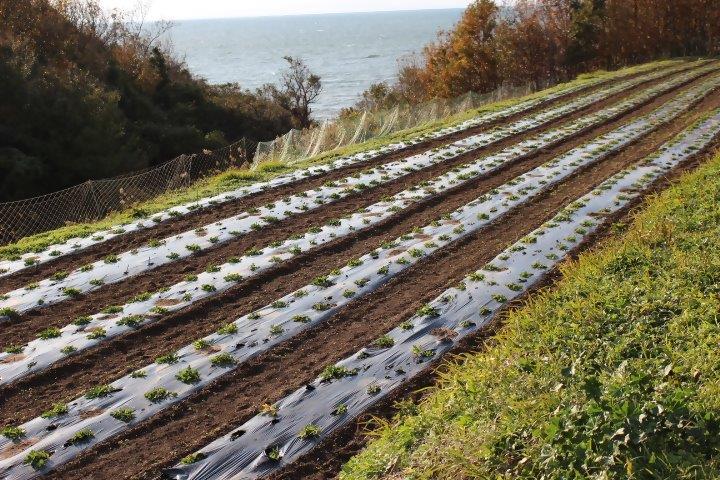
(542, 41)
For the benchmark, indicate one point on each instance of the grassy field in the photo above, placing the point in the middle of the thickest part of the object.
(614, 373)
(236, 178)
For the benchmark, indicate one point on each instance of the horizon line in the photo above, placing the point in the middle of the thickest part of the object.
(233, 17)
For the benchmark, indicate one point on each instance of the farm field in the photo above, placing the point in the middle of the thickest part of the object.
(248, 334)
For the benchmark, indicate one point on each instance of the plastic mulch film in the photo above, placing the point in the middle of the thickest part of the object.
(116, 268)
(74, 245)
(108, 409)
(89, 331)
(266, 443)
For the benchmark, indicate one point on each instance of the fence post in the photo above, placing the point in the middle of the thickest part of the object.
(96, 202)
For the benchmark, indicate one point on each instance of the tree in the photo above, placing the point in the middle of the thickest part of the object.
(299, 89)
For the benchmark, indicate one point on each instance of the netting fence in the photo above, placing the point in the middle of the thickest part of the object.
(297, 145)
(95, 199)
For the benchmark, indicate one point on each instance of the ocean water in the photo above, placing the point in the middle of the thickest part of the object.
(348, 51)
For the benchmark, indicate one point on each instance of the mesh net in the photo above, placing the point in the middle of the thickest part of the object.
(298, 145)
(95, 199)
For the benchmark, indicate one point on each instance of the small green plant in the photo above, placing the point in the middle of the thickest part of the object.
(99, 391)
(279, 304)
(138, 374)
(133, 321)
(323, 282)
(276, 330)
(168, 359)
(335, 372)
(112, 309)
(111, 259)
(223, 359)
(233, 278)
(81, 436)
(340, 410)
(159, 394)
(188, 375)
(373, 389)
(8, 312)
(49, 333)
(124, 414)
(420, 352)
(13, 349)
(37, 459)
(427, 311)
(386, 341)
(96, 334)
(82, 321)
(56, 410)
(228, 329)
(273, 453)
(67, 350)
(269, 410)
(208, 288)
(193, 458)
(13, 433)
(193, 247)
(309, 431)
(71, 292)
(301, 318)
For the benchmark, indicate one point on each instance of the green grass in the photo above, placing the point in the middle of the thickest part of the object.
(615, 373)
(236, 178)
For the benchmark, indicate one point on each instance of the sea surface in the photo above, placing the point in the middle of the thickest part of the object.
(349, 51)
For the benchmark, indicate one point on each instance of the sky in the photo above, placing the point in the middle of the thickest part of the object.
(190, 9)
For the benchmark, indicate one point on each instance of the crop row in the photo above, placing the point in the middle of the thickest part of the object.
(115, 268)
(296, 424)
(68, 429)
(54, 344)
(75, 245)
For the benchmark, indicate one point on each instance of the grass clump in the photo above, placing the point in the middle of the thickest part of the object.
(223, 359)
(612, 374)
